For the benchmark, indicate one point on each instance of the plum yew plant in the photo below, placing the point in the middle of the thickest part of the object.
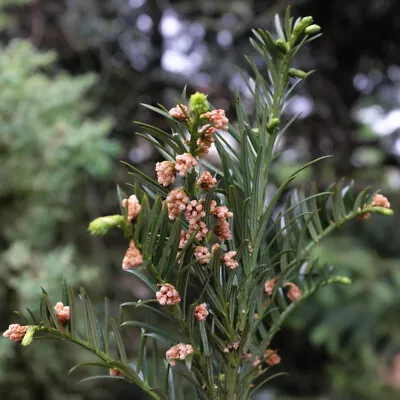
(226, 261)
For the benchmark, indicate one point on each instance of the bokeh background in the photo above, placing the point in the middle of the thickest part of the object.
(72, 76)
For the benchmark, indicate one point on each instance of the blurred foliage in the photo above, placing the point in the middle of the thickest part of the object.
(49, 149)
(359, 327)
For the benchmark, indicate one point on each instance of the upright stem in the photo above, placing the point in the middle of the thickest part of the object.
(232, 377)
(268, 157)
(275, 112)
(191, 183)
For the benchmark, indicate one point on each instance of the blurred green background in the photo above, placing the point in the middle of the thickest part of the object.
(72, 77)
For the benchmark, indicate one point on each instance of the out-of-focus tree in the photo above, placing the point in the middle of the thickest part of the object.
(49, 150)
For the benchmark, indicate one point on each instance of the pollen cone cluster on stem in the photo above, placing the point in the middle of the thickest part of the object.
(16, 332)
(178, 352)
(133, 257)
(62, 312)
(168, 295)
(133, 207)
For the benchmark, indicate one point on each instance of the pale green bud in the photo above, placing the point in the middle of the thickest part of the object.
(382, 210)
(281, 45)
(27, 340)
(303, 24)
(340, 279)
(297, 73)
(312, 29)
(198, 103)
(100, 226)
(306, 21)
(273, 124)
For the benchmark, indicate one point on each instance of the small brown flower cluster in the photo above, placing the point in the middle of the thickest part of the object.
(184, 163)
(256, 361)
(166, 169)
(232, 346)
(133, 257)
(221, 228)
(206, 181)
(115, 372)
(215, 247)
(165, 172)
(294, 293)
(178, 352)
(62, 312)
(380, 201)
(205, 141)
(362, 217)
(133, 207)
(229, 259)
(168, 295)
(201, 312)
(182, 240)
(246, 356)
(202, 254)
(222, 212)
(179, 112)
(200, 235)
(16, 332)
(377, 201)
(194, 213)
(271, 357)
(269, 286)
(217, 118)
(176, 202)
